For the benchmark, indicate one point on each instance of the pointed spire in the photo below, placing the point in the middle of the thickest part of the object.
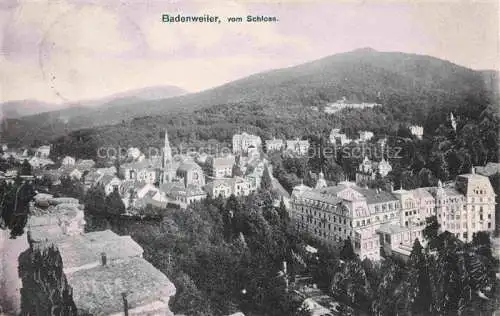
(440, 184)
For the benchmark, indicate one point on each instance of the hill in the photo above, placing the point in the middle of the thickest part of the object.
(409, 86)
(22, 108)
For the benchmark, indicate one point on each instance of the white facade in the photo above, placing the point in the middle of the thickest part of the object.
(417, 131)
(365, 136)
(376, 220)
(242, 142)
(68, 161)
(297, 146)
(274, 145)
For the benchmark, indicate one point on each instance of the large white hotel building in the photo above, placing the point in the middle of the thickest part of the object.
(378, 220)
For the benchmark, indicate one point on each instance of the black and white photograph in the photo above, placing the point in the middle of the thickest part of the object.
(249, 158)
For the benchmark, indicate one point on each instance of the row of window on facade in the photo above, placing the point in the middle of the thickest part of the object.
(368, 220)
(464, 225)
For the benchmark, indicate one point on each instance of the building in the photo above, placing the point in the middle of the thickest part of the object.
(274, 145)
(109, 182)
(40, 162)
(300, 147)
(181, 196)
(222, 167)
(191, 174)
(368, 170)
(365, 136)
(226, 187)
(85, 164)
(417, 131)
(141, 171)
(242, 142)
(337, 136)
(68, 161)
(391, 221)
(71, 172)
(43, 151)
(471, 210)
(134, 154)
(490, 169)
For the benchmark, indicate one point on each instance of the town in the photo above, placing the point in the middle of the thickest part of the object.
(377, 223)
(249, 158)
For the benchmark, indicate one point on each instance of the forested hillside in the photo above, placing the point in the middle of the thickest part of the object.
(408, 86)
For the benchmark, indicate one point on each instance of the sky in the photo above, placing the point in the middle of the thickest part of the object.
(62, 51)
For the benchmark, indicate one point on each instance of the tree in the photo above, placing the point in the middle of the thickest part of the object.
(236, 171)
(45, 289)
(114, 204)
(431, 231)
(95, 199)
(266, 182)
(25, 168)
(418, 275)
(347, 252)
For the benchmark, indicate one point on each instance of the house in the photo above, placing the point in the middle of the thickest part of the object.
(134, 154)
(43, 151)
(180, 195)
(91, 178)
(68, 161)
(191, 174)
(300, 147)
(274, 145)
(490, 169)
(365, 136)
(336, 135)
(223, 166)
(85, 164)
(71, 172)
(226, 187)
(142, 171)
(417, 131)
(38, 162)
(368, 170)
(109, 182)
(243, 141)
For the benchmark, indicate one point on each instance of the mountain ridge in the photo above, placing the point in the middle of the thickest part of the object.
(409, 84)
(29, 107)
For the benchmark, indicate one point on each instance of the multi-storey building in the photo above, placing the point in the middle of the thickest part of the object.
(337, 135)
(336, 213)
(378, 220)
(300, 147)
(222, 167)
(274, 145)
(368, 169)
(242, 142)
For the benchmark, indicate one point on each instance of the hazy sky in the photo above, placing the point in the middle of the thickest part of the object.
(68, 50)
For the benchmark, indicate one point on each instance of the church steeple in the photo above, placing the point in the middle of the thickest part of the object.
(167, 151)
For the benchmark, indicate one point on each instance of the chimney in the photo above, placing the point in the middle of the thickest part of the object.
(125, 303)
(103, 258)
